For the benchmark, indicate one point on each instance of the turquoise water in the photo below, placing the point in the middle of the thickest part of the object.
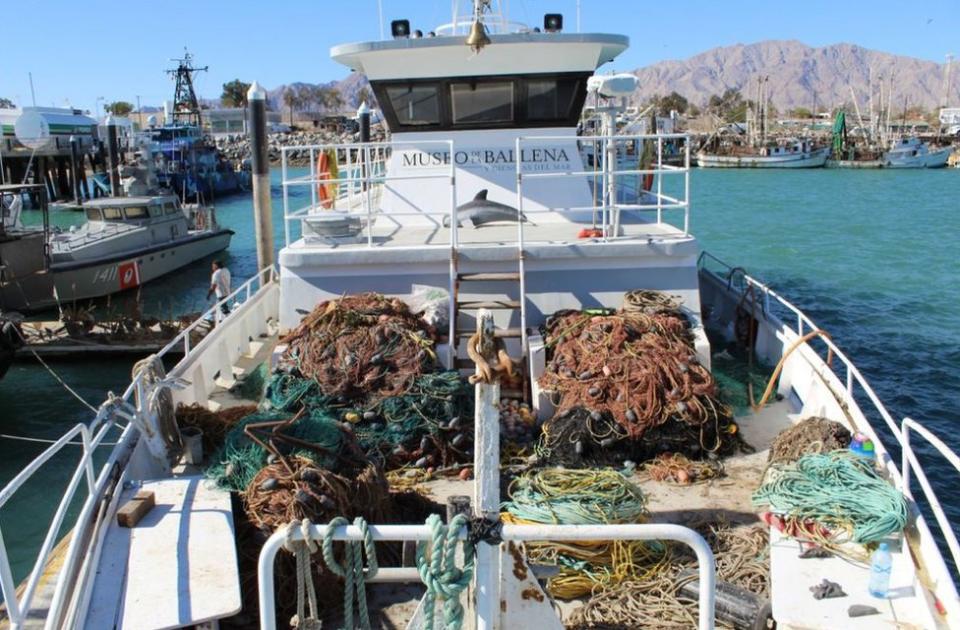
(870, 256)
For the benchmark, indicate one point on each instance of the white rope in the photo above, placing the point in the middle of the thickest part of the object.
(302, 550)
(54, 374)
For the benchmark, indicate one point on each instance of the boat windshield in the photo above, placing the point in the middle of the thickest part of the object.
(136, 212)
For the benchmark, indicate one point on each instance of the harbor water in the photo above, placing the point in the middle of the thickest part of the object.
(871, 256)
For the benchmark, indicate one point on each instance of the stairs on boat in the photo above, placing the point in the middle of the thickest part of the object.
(504, 293)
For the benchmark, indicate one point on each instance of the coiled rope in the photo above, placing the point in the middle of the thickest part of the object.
(840, 491)
(584, 497)
(352, 569)
(439, 571)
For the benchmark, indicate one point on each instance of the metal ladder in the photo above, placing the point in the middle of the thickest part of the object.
(507, 279)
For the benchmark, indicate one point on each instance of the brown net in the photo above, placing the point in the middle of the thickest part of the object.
(635, 376)
(276, 496)
(810, 435)
(363, 347)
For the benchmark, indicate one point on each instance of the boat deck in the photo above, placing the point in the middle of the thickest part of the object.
(540, 228)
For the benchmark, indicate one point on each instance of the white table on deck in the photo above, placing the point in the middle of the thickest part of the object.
(177, 567)
(795, 607)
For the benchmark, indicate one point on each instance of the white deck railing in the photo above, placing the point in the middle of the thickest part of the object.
(18, 608)
(519, 533)
(901, 434)
(361, 170)
(615, 188)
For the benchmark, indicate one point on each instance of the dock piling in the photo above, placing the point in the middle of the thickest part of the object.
(113, 155)
(262, 210)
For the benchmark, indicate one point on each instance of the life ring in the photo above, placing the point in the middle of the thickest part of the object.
(647, 181)
(326, 170)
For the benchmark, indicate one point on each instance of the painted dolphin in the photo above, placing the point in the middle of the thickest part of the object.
(480, 210)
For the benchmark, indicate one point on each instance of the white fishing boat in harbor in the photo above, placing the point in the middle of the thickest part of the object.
(788, 154)
(463, 242)
(914, 153)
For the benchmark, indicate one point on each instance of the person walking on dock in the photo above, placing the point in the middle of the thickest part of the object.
(220, 284)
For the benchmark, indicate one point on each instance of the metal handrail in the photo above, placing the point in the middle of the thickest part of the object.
(901, 434)
(18, 609)
(509, 532)
(852, 373)
(910, 462)
(610, 174)
(360, 178)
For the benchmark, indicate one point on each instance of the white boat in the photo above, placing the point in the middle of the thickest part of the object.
(125, 243)
(498, 117)
(913, 153)
(791, 154)
(128, 241)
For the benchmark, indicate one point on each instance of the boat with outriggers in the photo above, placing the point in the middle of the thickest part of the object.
(406, 313)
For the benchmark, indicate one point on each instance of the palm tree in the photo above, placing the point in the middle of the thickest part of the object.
(291, 99)
(332, 100)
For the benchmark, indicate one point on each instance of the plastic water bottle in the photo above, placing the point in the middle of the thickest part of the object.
(881, 564)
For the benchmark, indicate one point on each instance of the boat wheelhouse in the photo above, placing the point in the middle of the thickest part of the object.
(507, 223)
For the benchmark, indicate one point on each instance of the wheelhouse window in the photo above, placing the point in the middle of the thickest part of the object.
(550, 99)
(415, 104)
(136, 212)
(488, 102)
(112, 214)
(170, 208)
(483, 102)
(93, 214)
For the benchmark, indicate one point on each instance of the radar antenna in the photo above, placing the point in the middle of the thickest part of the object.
(186, 107)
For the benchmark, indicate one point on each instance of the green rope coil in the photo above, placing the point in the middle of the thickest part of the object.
(841, 491)
(440, 574)
(576, 497)
(352, 568)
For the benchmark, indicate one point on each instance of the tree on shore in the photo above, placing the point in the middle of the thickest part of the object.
(672, 102)
(364, 95)
(800, 112)
(291, 98)
(6, 103)
(729, 106)
(234, 94)
(118, 108)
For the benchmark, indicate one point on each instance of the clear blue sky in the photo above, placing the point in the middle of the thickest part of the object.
(79, 51)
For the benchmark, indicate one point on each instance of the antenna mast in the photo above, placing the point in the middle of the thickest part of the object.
(186, 107)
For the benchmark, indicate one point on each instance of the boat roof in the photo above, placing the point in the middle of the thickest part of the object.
(122, 202)
(412, 58)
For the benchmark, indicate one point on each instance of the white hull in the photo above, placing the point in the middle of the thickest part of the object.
(93, 279)
(934, 159)
(811, 159)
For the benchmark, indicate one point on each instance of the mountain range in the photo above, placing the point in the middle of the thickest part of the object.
(799, 76)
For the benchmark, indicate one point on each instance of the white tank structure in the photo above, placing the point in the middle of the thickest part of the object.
(60, 123)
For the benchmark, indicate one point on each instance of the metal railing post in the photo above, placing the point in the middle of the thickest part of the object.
(659, 180)
(905, 458)
(286, 197)
(8, 587)
(686, 186)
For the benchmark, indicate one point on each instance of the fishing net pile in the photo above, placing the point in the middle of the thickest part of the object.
(367, 360)
(657, 600)
(583, 497)
(810, 435)
(627, 384)
(831, 499)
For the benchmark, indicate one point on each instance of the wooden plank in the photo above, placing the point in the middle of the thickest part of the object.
(135, 509)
